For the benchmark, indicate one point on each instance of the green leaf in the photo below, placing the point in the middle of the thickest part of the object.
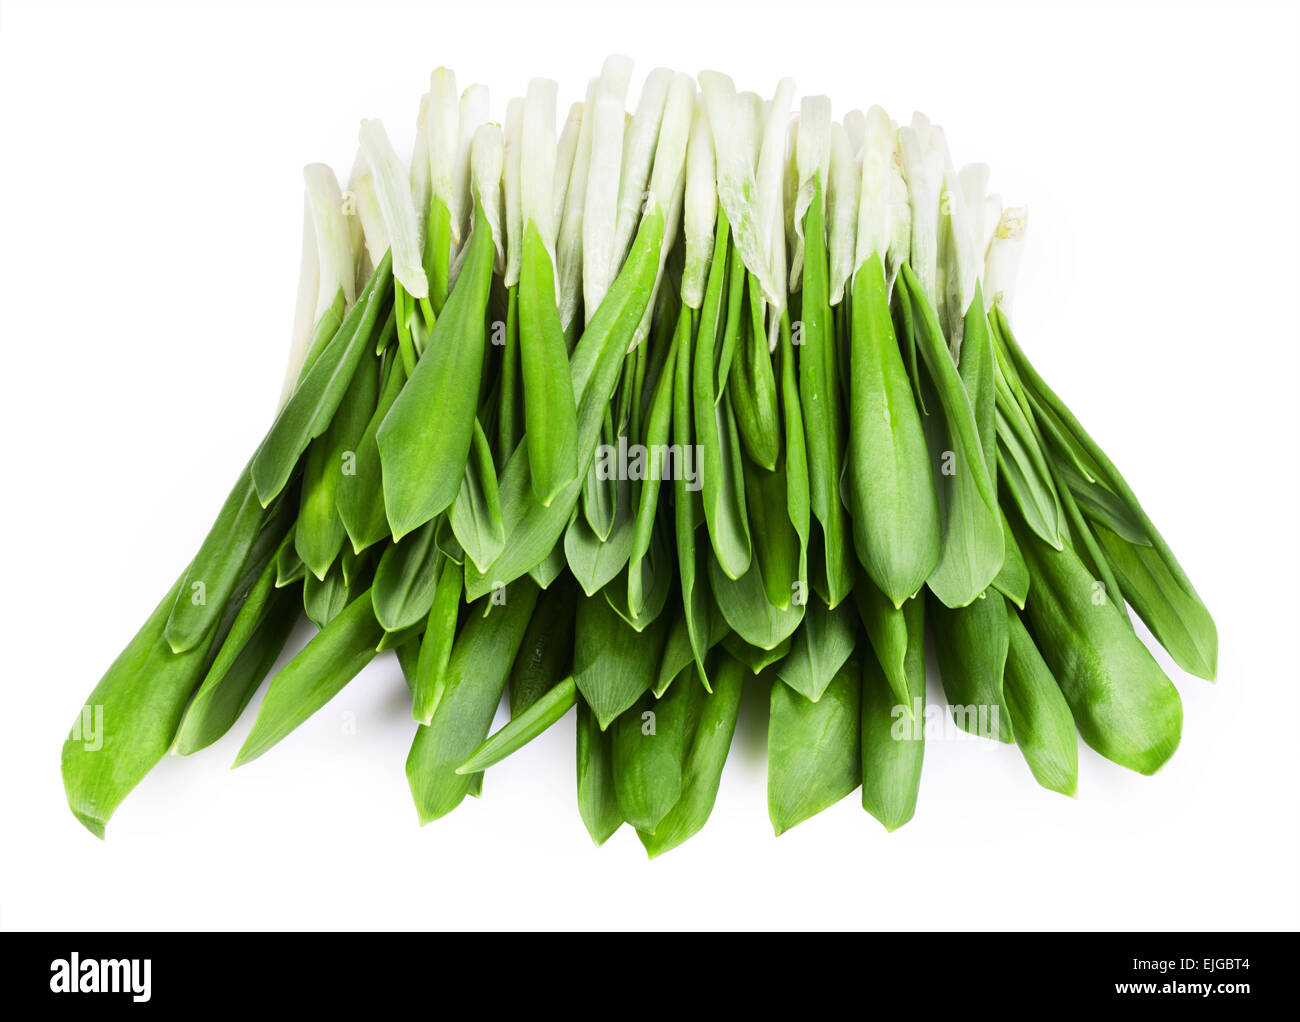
(596, 562)
(747, 610)
(889, 630)
(476, 512)
(130, 718)
(597, 802)
(814, 755)
(210, 580)
(476, 677)
(721, 471)
(360, 496)
(546, 656)
(1012, 579)
(613, 664)
(751, 388)
(324, 599)
(649, 747)
(1123, 705)
(424, 441)
(893, 742)
(319, 533)
(310, 409)
(550, 414)
(436, 646)
(973, 549)
(316, 675)
(821, 648)
(707, 748)
(892, 501)
(250, 649)
(532, 528)
(521, 730)
(755, 658)
(821, 406)
(1040, 716)
(971, 643)
(406, 578)
(1177, 619)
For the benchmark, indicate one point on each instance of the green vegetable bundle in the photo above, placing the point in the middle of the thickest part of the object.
(621, 419)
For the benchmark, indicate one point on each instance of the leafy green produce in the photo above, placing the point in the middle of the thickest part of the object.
(625, 417)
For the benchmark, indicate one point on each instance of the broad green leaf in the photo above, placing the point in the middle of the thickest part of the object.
(476, 677)
(310, 409)
(1040, 716)
(746, 608)
(597, 802)
(649, 747)
(531, 528)
(476, 512)
(973, 548)
(323, 599)
(821, 647)
(436, 646)
(360, 497)
(406, 578)
(971, 643)
(256, 638)
(547, 710)
(546, 656)
(550, 414)
(821, 405)
(892, 501)
(613, 664)
(814, 755)
(1123, 705)
(424, 441)
(1177, 619)
(130, 718)
(331, 457)
(721, 468)
(1012, 579)
(316, 675)
(707, 748)
(209, 582)
(893, 741)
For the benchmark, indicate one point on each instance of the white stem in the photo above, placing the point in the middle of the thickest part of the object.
(769, 175)
(487, 162)
(855, 127)
(638, 152)
(600, 213)
(420, 178)
(900, 216)
(537, 168)
(874, 211)
(842, 199)
(701, 210)
(304, 314)
(442, 131)
(472, 113)
(566, 150)
(333, 236)
(373, 228)
(568, 245)
(923, 169)
(514, 216)
(812, 160)
(1003, 260)
(393, 191)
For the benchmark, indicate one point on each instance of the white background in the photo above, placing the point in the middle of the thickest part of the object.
(152, 221)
